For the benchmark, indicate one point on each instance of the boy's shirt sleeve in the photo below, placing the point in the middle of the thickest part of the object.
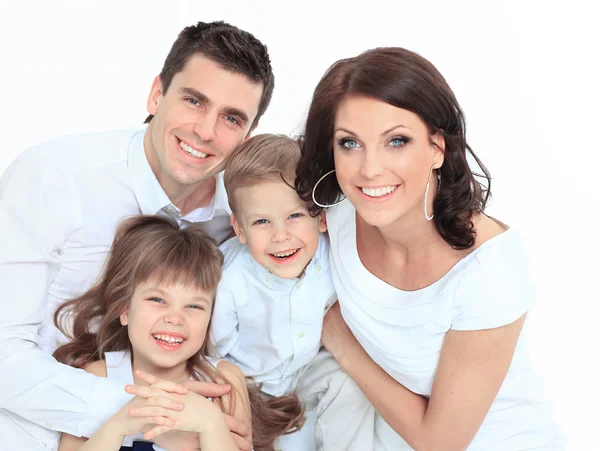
(225, 324)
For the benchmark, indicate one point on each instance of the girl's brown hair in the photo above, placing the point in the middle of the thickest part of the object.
(405, 80)
(155, 248)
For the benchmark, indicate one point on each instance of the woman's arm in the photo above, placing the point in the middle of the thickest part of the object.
(472, 367)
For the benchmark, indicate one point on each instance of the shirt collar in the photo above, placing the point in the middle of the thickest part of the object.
(313, 269)
(151, 196)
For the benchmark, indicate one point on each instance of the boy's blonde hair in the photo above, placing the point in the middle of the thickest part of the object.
(262, 158)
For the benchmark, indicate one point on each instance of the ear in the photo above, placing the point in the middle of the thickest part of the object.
(238, 229)
(154, 97)
(124, 318)
(322, 222)
(438, 147)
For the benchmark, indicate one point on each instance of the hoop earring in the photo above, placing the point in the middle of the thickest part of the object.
(315, 187)
(429, 218)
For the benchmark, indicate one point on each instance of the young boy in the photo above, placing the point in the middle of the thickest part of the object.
(275, 290)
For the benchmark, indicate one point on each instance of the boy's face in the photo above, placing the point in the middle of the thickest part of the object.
(206, 112)
(274, 222)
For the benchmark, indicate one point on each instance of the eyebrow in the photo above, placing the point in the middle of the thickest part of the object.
(163, 293)
(228, 110)
(201, 299)
(384, 133)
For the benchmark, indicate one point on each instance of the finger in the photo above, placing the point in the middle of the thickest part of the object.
(156, 431)
(209, 389)
(148, 411)
(163, 401)
(236, 426)
(147, 392)
(146, 377)
(171, 387)
(241, 443)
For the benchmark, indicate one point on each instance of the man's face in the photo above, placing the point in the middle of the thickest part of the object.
(205, 114)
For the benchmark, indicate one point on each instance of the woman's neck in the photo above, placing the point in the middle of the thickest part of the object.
(412, 239)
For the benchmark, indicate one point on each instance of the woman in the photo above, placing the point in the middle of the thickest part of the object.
(433, 294)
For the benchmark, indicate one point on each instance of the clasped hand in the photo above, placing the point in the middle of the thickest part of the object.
(172, 414)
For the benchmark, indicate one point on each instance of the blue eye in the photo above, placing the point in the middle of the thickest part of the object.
(197, 307)
(349, 143)
(192, 101)
(260, 222)
(158, 300)
(232, 120)
(399, 141)
(294, 215)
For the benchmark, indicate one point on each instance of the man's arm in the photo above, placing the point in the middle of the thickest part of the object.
(37, 209)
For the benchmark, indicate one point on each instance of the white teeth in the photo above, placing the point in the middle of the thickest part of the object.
(286, 254)
(168, 338)
(191, 151)
(378, 192)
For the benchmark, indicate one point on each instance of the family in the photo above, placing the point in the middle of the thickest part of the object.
(192, 286)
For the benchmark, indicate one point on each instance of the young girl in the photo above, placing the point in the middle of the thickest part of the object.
(150, 313)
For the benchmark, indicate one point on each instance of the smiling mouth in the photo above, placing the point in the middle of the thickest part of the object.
(380, 191)
(191, 151)
(168, 340)
(284, 256)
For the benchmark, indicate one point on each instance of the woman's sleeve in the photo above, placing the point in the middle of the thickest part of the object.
(493, 292)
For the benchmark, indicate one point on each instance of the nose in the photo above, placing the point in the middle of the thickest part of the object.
(281, 233)
(173, 317)
(205, 126)
(372, 165)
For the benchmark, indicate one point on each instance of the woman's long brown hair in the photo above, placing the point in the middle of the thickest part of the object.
(155, 248)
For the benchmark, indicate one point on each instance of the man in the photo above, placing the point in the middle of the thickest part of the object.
(60, 204)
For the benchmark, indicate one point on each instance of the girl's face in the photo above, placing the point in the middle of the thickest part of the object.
(383, 156)
(167, 325)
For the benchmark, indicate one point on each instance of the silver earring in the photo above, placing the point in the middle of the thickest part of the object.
(315, 187)
(429, 218)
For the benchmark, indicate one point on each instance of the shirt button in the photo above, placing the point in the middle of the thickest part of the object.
(268, 280)
(319, 268)
(298, 286)
(301, 334)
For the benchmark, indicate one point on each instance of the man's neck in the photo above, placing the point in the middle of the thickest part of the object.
(185, 197)
(199, 196)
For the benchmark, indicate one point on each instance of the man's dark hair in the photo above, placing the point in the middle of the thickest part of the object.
(235, 50)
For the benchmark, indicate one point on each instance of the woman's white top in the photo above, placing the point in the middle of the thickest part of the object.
(403, 331)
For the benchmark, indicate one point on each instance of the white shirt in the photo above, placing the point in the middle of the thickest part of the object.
(268, 326)
(403, 331)
(59, 205)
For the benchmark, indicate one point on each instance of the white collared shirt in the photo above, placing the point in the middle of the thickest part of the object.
(59, 205)
(268, 326)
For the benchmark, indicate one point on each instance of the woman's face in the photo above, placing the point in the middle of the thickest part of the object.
(383, 156)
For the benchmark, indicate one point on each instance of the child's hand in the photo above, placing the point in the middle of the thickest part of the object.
(206, 389)
(148, 411)
(199, 414)
(239, 431)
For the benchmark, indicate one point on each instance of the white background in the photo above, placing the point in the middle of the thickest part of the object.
(525, 72)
